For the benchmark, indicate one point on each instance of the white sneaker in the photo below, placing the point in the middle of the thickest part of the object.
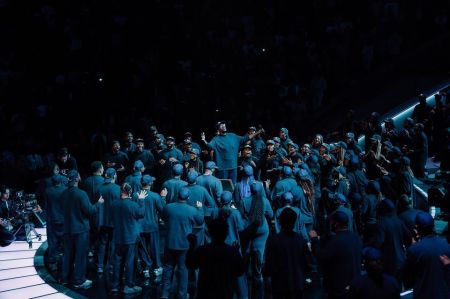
(85, 285)
(134, 290)
(158, 271)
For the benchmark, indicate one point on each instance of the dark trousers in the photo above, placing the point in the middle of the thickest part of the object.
(55, 233)
(174, 258)
(106, 246)
(148, 251)
(227, 174)
(124, 257)
(75, 255)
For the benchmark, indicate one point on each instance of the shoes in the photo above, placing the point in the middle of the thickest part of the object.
(134, 290)
(146, 273)
(90, 254)
(85, 285)
(114, 290)
(100, 270)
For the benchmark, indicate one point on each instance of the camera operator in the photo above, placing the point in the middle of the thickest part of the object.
(6, 210)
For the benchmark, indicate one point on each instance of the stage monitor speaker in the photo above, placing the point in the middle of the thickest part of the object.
(227, 185)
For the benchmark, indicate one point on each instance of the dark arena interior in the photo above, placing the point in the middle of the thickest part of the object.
(230, 149)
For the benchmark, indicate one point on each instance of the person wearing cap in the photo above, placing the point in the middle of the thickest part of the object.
(419, 150)
(65, 161)
(180, 218)
(247, 158)
(167, 158)
(226, 148)
(199, 194)
(283, 134)
(392, 237)
(423, 269)
(77, 210)
(287, 200)
(327, 162)
(91, 186)
(339, 203)
(373, 128)
(352, 146)
(188, 139)
(210, 182)
(305, 198)
(390, 132)
(257, 143)
(55, 219)
(232, 216)
(149, 249)
(340, 183)
(278, 148)
(128, 145)
(110, 192)
(117, 160)
(286, 184)
(175, 184)
(135, 178)
(192, 161)
(285, 258)
(294, 158)
(339, 256)
(242, 189)
(374, 283)
(216, 276)
(372, 196)
(407, 213)
(125, 214)
(358, 182)
(256, 211)
(269, 163)
(145, 156)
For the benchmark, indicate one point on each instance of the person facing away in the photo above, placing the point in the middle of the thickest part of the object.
(340, 256)
(374, 283)
(285, 258)
(219, 264)
(77, 210)
(424, 270)
(179, 218)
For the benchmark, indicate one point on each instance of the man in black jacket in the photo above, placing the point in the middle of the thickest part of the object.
(219, 264)
(340, 256)
(77, 210)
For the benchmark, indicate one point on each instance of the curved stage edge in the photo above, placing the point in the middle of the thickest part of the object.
(23, 273)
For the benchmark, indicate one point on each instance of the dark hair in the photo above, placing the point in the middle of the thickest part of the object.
(96, 165)
(126, 188)
(218, 230)
(3, 189)
(287, 220)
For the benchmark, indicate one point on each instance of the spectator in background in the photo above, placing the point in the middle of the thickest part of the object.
(65, 161)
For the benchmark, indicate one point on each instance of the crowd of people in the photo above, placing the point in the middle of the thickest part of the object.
(248, 215)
